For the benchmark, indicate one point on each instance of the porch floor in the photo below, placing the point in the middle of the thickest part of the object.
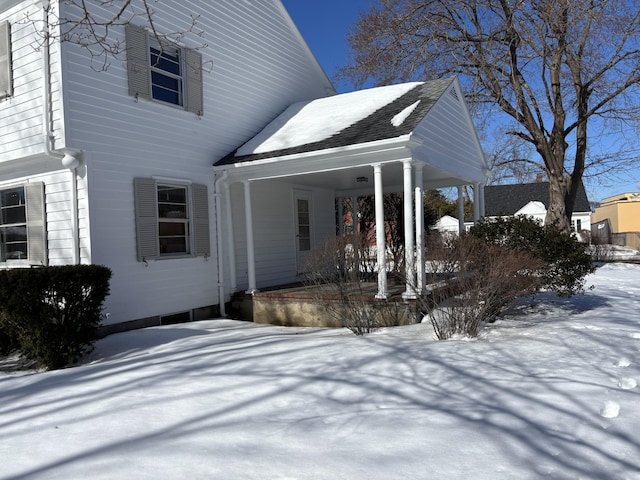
(305, 306)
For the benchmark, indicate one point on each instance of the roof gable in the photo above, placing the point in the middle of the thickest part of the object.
(509, 199)
(391, 116)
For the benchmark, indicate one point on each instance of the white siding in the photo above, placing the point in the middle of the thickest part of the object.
(21, 115)
(274, 229)
(448, 121)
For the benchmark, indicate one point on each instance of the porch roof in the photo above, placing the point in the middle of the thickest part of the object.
(318, 140)
(341, 120)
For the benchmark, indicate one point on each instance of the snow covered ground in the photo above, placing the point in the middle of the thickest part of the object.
(548, 391)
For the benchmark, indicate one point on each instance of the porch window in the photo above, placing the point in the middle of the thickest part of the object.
(166, 73)
(6, 81)
(22, 224)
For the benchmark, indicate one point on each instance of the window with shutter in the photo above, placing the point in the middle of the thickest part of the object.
(171, 219)
(23, 234)
(6, 81)
(163, 72)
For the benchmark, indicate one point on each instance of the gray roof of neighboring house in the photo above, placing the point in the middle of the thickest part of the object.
(508, 199)
(377, 126)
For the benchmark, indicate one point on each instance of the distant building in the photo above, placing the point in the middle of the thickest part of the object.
(617, 220)
(532, 199)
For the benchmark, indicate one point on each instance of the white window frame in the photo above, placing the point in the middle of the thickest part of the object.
(185, 221)
(163, 51)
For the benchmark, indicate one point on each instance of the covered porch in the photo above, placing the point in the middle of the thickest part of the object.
(399, 139)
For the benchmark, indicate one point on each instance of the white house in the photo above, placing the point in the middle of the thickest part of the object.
(532, 199)
(451, 225)
(202, 167)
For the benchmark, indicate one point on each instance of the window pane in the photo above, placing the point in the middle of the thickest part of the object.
(172, 194)
(165, 89)
(168, 60)
(167, 210)
(13, 197)
(173, 245)
(171, 228)
(304, 244)
(303, 206)
(14, 243)
(304, 231)
(172, 202)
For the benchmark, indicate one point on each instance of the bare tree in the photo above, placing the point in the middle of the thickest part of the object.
(554, 67)
(89, 24)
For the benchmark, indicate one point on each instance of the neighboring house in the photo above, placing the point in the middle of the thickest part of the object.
(451, 225)
(617, 220)
(116, 167)
(532, 199)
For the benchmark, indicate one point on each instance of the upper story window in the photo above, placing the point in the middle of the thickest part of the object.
(6, 81)
(167, 73)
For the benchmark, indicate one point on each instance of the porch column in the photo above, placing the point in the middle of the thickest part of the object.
(340, 216)
(380, 233)
(355, 224)
(481, 192)
(251, 260)
(476, 202)
(231, 243)
(460, 211)
(409, 233)
(420, 271)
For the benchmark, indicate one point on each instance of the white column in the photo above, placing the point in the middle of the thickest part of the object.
(355, 223)
(340, 216)
(251, 259)
(231, 243)
(476, 202)
(380, 233)
(481, 188)
(409, 233)
(460, 211)
(420, 271)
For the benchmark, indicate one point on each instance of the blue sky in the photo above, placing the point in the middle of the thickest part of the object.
(325, 25)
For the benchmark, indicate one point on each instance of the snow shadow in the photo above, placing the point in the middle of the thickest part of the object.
(241, 393)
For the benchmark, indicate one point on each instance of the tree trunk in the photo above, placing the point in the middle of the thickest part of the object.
(557, 212)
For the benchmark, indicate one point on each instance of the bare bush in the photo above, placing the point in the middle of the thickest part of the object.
(470, 282)
(342, 287)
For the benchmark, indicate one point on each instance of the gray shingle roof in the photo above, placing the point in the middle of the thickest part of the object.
(376, 126)
(508, 199)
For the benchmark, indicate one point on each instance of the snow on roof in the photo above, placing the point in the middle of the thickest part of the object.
(316, 120)
(399, 119)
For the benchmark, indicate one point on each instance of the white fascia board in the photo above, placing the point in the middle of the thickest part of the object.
(331, 159)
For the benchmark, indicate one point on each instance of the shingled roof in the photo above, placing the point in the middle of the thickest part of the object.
(411, 107)
(508, 199)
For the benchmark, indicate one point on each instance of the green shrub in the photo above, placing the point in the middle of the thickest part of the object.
(566, 260)
(53, 312)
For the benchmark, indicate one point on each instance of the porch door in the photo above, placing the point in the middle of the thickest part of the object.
(302, 212)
